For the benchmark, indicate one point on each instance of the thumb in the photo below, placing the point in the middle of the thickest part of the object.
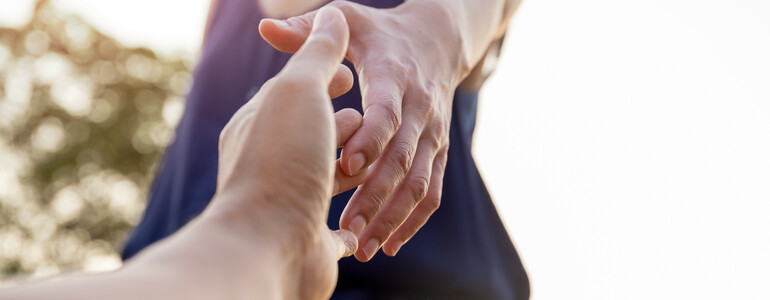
(319, 57)
(287, 35)
(346, 242)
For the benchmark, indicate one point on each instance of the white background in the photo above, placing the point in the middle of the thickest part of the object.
(627, 143)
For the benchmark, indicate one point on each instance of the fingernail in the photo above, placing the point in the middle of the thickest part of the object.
(371, 248)
(356, 163)
(357, 225)
(395, 251)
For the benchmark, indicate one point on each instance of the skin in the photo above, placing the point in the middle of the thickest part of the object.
(252, 242)
(409, 60)
(263, 236)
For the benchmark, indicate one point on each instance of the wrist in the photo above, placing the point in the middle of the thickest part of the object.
(214, 257)
(252, 220)
(252, 245)
(445, 25)
(474, 24)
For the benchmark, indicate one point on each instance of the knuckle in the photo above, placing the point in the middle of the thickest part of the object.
(423, 103)
(392, 116)
(433, 203)
(376, 198)
(435, 141)
(385, 66)
(423, 95)
(381, 137)
(402, 156)
(389, 226)
(439, 133)
(394, 68)
(419, 187)
(410, 63)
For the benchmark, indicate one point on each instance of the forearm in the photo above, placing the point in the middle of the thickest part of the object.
(478, 23)
(212, 258)
(203, 261)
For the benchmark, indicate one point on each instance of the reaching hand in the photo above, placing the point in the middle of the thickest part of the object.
(409, 60)
(277, 156)
(264, 235)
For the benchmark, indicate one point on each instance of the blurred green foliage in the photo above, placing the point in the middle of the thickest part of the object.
(83, 121)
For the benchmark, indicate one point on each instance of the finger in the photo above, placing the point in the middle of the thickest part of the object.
(346, 243)
(341, 83)
(319, 57)
(287, 35)
(385, 175)
(382, 119)
(348, 120)
(404, 200)
(422, 212)
(343, 182)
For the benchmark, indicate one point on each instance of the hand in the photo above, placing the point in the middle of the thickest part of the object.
(409, 60)
(264, 235)
(277, 167)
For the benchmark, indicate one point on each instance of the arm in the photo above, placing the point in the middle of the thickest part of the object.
(205, 260)
(481, 23)
(264, 234)
(409, 59)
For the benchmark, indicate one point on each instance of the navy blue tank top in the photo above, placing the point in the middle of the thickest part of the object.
(463, 252)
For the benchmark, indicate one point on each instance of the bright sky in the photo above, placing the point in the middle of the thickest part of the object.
(625, 142)
(167, 26)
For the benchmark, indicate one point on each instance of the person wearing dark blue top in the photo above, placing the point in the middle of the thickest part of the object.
(419, 65)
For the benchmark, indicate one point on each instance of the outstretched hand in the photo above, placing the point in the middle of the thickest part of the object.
(277, 155)
(264, 234)
(409, 60)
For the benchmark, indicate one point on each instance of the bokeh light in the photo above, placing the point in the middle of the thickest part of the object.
(83, 119)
